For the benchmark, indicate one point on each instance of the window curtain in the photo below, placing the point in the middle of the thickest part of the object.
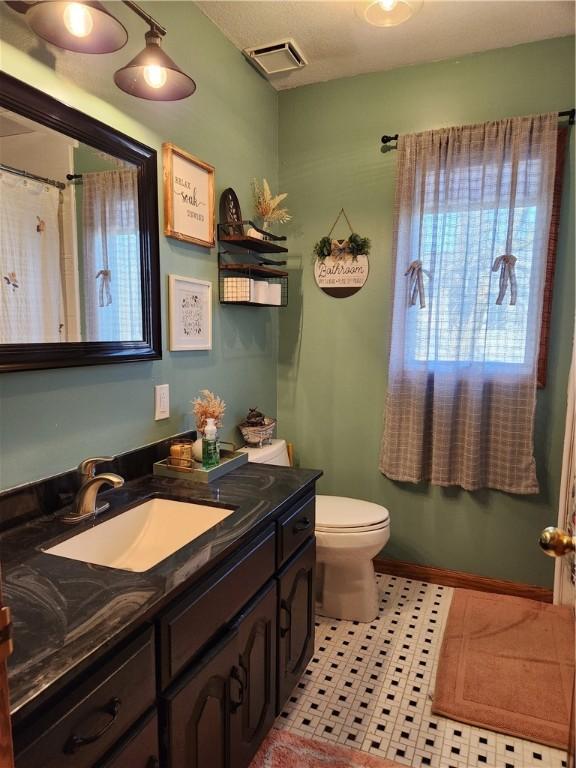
(563, 136)
(111, 259)
(472, 220)
(31, 310)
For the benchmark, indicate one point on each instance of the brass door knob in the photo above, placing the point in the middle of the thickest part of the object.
(556, 542)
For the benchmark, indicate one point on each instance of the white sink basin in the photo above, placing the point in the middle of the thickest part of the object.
(143, 536)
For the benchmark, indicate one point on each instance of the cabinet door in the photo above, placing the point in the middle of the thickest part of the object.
(295, 620)
(253, 703)
(198, 711)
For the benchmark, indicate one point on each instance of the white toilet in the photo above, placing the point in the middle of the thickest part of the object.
(349, 534)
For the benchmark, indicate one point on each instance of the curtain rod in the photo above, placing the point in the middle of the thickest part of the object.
(569, 113)
(20, 172)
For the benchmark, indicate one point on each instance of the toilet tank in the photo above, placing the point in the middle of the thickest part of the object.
(274, 453)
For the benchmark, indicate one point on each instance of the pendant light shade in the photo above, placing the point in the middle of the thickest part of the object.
(388, 13)
(83, 27)
(153, 75)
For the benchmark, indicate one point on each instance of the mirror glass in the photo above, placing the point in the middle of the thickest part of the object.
(70, 250)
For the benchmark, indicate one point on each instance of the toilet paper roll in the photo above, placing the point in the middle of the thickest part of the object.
(275, 294)
(261, 292)
(237, 288)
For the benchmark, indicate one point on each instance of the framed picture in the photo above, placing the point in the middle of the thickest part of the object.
(188, 197)
(190, 309)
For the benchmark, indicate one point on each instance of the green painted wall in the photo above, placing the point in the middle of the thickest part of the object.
(332, 360)
(50, 420)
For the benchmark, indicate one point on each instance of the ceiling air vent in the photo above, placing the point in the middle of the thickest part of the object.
(275, 58)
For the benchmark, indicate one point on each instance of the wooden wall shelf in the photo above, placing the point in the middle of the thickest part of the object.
(252, 285)
(254, 269)
(256, 281)
(252, 243)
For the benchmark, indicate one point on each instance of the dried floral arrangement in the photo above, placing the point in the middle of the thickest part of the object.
(208, 406)
(266, 204)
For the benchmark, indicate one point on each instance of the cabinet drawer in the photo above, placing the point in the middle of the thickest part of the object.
(205, 611)
(139, 749)
(83, 725)
(294, 527)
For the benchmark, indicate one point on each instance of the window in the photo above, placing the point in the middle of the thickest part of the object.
(461, 322)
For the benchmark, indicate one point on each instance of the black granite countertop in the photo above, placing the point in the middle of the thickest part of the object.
(65, 613)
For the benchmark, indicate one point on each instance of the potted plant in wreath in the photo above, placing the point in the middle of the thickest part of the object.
(354, 246)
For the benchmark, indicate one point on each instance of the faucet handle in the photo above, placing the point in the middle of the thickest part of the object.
(87, 468)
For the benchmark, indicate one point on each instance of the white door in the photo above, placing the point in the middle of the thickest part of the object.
(560, 542)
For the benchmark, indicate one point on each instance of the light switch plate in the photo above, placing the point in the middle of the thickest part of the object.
(161, 402)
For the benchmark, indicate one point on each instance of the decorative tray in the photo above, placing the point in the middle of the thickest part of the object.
(229, 460)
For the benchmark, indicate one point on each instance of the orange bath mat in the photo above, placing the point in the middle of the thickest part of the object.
(507, 664)
(282, 749)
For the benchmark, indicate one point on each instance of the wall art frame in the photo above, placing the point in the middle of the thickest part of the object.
(189, 199)
(190, 314)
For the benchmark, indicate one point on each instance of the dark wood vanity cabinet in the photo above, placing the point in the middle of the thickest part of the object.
(201, 684)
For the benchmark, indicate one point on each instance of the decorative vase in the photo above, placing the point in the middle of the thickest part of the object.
(197, 448)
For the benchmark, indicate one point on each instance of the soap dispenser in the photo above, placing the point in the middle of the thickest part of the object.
(210, 450)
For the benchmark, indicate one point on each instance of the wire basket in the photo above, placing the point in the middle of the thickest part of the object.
(258, 435)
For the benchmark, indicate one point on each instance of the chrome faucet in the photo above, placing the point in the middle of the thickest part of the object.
(87, 470)
(85, 503)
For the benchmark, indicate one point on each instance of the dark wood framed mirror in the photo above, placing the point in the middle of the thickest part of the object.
(79, 257)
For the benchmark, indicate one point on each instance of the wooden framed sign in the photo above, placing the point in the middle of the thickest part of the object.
(188, 197)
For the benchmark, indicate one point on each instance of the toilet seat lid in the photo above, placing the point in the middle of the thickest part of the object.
(338, 514)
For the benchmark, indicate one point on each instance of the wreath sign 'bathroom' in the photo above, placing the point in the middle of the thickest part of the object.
(341, 266)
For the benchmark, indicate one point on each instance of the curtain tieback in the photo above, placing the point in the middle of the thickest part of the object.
(416, 287)
(506, 264)
(105, 281)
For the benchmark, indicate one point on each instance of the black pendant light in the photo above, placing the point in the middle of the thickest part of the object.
(153, 75)
(82, 27)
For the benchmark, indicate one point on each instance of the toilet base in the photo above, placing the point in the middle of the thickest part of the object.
(347, 590)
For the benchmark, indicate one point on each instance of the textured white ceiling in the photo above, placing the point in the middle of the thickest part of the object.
(337, 43)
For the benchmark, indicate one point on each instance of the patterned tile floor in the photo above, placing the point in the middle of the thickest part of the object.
(368, 687)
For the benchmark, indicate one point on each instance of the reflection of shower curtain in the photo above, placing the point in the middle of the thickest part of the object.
(30, 291)
(112, 288)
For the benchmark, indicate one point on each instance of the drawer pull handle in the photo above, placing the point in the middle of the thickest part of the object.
(284, 607)
(236, 703)
(302, 525)
(75, 742)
